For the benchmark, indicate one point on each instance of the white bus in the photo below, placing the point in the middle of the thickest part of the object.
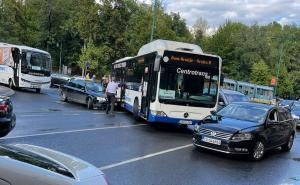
(170, 82)
(24, 67)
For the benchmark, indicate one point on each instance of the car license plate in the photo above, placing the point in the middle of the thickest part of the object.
(212, 141)
(186, 122)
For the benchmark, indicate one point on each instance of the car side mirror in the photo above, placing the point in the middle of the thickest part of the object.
(221, 103)
(213, 112)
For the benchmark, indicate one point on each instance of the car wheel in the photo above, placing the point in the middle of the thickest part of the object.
(136, 110)
(90, 103)
(258, 151)
(63, 97)
(38, 90)
(288, 146)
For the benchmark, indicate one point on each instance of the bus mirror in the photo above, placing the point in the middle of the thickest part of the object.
(222, 79)
(157, 63)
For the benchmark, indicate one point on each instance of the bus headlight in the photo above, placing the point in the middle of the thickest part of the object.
(159, 113)
(242, 136)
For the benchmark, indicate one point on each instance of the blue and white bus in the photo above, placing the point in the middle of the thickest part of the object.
(24, 67)
(170, 82)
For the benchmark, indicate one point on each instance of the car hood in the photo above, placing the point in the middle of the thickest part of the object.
(97, 94)
(296, 113)
(79, 168)
(230, 125)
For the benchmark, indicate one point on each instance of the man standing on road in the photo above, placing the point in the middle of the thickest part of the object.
(111, 91)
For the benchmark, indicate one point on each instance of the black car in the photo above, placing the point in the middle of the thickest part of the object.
(294, 107)
(246, 128)
(7, 117)
(58, 79)
(229, 96)
(85, 92)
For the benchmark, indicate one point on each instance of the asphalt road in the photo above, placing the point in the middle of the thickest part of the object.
(132, 153)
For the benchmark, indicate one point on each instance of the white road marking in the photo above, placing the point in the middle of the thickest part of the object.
(72, 131)
(144, 157)
(33, 115)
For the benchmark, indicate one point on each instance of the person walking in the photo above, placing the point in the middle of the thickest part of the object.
(111, 91)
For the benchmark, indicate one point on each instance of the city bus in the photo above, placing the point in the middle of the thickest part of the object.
(169, 82)
(24, 67)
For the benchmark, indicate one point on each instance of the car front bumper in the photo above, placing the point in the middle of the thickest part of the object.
(226, 146)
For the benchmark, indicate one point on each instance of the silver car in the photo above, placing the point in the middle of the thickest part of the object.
(23, 164)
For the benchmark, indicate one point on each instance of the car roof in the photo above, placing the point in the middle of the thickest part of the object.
(226, 91)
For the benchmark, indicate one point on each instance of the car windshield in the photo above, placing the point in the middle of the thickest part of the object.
(94, 87)
(296, 106)
(253, 113)
(236, 98)
(33, 159)
(177, 86)
(286, 102)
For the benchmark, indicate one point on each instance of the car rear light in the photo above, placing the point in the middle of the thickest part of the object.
(3, 108)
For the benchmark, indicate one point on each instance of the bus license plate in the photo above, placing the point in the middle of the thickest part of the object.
(186, 122)
(35, 86)
(212, 141)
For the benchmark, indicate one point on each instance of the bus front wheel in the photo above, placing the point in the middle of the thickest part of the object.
(136, 110)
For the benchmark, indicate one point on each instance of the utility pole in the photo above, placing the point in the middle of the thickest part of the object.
(153, 27)
(278, 68)
(60, 59)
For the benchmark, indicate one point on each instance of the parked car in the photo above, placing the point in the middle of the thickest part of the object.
(7, 116)
(229, 96)
(23, 164)
(85, 92)
(246, 128)
(58, 79)
(294, 107)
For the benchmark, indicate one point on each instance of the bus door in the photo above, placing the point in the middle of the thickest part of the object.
(146, 90)
(16, 59)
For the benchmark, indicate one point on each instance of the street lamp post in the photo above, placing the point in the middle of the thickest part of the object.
(60, 59)
(278, 68)
(153, 19)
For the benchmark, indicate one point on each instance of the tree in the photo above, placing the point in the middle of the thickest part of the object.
(260, 73)
(200, 28)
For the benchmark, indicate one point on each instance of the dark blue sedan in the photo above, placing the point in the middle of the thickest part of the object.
(246, 128)
(294, 107)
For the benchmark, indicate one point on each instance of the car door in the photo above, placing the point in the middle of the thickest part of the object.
(79, 92)
(273, 129)
(69, 89)
(286, 124)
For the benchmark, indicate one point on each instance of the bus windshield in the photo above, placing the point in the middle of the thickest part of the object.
(186, 86)
(36, 63)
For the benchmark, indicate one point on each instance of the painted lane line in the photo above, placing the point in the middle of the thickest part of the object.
(33, 115)
(72, 131)
(145, 157)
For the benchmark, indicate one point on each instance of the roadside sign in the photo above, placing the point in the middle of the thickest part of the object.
(273, 81)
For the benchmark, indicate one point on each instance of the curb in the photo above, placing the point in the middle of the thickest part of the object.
(5, 91)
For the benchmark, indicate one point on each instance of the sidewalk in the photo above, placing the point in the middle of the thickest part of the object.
(5, 91)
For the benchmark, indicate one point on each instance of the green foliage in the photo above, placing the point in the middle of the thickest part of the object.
(260, 73)
(112, 29)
